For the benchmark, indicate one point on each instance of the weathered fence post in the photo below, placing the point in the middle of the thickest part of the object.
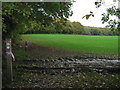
(26, 46)
(8, 60)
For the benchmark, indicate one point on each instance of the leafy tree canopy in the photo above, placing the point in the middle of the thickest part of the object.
(17, 16)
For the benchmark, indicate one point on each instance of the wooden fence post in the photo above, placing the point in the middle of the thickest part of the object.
(9, 60)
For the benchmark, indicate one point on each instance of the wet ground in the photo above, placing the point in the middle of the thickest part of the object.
(67, 73)
(71, 65)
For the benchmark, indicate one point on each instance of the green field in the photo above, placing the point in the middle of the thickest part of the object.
(82, 43)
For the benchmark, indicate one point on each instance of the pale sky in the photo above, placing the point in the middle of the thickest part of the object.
(82, 7)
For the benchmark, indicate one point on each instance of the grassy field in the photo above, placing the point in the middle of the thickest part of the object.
(82, 43)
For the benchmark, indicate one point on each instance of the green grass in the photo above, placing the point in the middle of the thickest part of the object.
(83, 43)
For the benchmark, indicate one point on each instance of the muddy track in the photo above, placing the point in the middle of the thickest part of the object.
(50, 59)
(70, 65)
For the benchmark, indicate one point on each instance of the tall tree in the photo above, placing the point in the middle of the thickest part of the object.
(17, 16)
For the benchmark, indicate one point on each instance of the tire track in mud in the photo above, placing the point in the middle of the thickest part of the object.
(71, 65)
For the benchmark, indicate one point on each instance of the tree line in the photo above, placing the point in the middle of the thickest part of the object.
(60, 26)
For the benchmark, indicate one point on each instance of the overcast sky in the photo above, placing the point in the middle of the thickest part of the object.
(83, 7)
